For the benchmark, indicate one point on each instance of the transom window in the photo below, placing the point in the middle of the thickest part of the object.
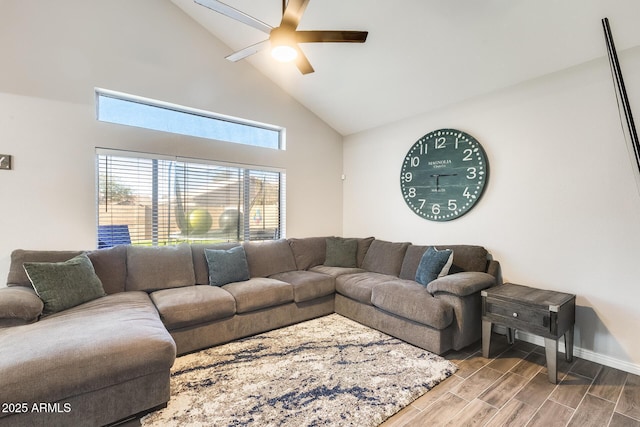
(125, 109)
(157, 200)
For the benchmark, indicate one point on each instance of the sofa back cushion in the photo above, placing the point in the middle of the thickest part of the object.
(269, 257)
(308, 251)
(18, 277)
(150, 268)
(200, 266)
(385, 257)
(110, 265)
(465, 258)
(363, 247)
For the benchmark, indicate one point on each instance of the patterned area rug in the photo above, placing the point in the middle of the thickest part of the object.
(329, 371)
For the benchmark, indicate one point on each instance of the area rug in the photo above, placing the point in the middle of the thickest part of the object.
(329, 371)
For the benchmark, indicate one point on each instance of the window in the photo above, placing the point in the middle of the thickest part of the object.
(156, 200)
(124, 109)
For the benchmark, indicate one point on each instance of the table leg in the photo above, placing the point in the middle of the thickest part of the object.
(486, 338)
(568, 344)
(511, 336)
(551, 352)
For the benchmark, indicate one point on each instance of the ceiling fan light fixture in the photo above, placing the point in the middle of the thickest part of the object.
(283, 45)
(284, 53)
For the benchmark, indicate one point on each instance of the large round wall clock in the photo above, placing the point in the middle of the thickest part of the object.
(444, 174)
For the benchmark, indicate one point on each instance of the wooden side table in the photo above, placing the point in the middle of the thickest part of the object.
(542, 312)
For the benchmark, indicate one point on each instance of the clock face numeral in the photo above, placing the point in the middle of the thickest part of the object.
(444, 174)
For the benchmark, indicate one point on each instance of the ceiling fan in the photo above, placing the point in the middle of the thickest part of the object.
(284, 38)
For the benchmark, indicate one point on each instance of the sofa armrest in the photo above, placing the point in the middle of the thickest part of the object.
(19, 305)
(462, 284)
(462, 292)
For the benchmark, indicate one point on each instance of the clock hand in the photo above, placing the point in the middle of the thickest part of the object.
(438, 175)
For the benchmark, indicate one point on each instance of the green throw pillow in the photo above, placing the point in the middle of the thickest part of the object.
(227, 266)
(341, 252)
(433, 264)
(62, 285)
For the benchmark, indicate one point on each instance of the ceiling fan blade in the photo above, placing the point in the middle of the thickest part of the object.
(302, 62)
(248, 51)
(232, 13)
(293, 13)
(331, 36)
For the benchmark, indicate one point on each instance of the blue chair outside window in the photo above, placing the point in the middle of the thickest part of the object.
(112, 235)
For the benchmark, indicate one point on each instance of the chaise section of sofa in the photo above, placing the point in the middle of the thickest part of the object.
(93, 364)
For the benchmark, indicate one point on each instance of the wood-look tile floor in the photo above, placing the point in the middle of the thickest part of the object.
(512, 389)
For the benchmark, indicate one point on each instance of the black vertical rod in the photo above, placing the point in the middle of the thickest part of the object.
(617, 71)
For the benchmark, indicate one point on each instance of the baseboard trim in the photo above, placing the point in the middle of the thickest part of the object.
(577, 351)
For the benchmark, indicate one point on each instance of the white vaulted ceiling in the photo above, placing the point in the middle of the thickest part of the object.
(422, 55)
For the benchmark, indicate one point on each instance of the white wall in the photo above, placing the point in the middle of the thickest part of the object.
(561, 209)
(53, 56)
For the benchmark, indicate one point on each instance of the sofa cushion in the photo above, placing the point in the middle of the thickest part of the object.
(309, 251)
(87, 348)
(62, 285)
(269, 257)
(359, 286)
(110, 265)
(259, 292)
(433, 264)
(336, 271)
(150, 268)
(19, 305)
(192, 305)
(308, 285)
(385, 257)
(465, 258)
(341, 252)
(200, 267)
(363, 247)
(412, 301)
(18, 277)
(226, 266)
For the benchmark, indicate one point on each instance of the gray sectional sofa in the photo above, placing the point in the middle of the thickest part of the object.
(109, 358)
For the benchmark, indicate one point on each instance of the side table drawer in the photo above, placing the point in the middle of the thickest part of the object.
(518, 316)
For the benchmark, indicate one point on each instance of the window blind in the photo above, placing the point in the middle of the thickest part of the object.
(154, 200)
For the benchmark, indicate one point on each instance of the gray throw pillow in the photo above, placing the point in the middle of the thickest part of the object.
(62, 285)
(341, 252)
(227, 266)
(433, 264)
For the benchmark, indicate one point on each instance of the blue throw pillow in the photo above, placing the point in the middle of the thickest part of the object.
(434, 264)
(226, 266)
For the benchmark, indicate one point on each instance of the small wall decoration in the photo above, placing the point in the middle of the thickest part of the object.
(444, 174)
(5, 161)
